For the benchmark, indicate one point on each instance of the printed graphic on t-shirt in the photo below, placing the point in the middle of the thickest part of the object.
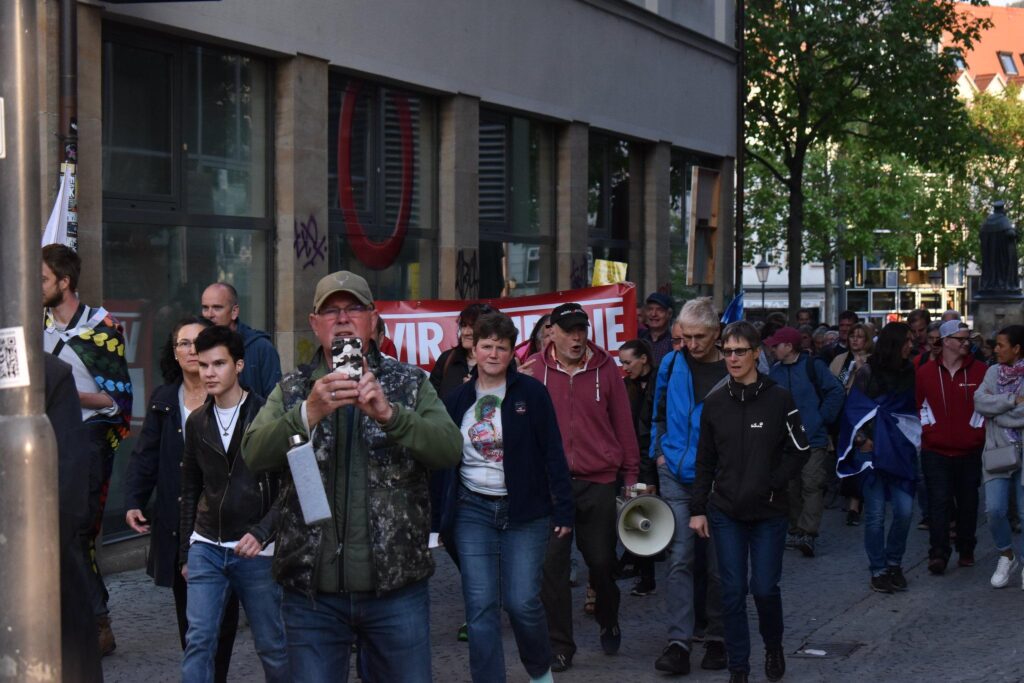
(483, 434)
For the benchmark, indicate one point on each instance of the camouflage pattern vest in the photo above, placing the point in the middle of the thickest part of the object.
(397, 490)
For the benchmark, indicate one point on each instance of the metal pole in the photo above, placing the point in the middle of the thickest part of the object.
(69, 79)
(29, 575)
(764, 314)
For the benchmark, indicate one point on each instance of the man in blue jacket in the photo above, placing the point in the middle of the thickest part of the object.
(819, 397)
(262, 363)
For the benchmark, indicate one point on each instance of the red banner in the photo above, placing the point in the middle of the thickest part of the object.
(421, 330)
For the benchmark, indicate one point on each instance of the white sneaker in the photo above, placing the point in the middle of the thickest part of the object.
(1004, 568)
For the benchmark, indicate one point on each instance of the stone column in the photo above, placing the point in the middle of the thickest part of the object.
(655, 239)
(637, 214)
(90, 154)
(300, 193)
(458, 198)
(571, 207)
(725, 252)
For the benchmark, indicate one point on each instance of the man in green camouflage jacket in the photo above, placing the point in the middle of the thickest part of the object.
(362, 575)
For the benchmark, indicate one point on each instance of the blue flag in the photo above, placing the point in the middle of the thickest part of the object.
(734, 311)
(892, 423)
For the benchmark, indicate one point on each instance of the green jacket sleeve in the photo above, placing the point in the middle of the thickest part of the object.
(428, 432)
(265, 443)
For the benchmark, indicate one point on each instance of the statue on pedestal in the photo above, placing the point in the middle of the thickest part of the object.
(1000, 269)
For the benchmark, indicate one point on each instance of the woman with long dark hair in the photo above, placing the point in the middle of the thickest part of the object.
(880, 435)
(844, 366)
(155, 463)
(999, 399)
(538, 338)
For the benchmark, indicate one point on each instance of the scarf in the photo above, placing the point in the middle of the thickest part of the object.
(1009, 381)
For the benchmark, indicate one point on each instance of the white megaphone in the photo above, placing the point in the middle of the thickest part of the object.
(645, 525)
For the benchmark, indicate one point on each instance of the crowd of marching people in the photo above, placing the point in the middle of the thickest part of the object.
(512, 450)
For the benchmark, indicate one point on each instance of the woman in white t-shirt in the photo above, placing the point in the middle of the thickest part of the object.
(511, 492)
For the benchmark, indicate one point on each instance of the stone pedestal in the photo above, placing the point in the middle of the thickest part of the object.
(991, 314)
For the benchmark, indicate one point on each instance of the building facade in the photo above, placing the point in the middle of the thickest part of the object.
(447, 149)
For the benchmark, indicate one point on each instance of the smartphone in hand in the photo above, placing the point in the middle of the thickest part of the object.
(347, 355)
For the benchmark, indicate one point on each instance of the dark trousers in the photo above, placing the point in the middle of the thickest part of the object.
(595, 537)
(228, 627)
(760, 546)
(101, 465)
(949, 479)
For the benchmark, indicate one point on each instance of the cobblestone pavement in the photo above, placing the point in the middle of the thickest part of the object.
(948, 628)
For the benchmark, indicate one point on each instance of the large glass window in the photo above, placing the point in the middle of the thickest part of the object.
(608, 190)
(185, 196)
(381, 186)
(517, 199)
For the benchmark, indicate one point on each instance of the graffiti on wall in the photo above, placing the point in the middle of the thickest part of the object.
(578, 272)
(467, 278)
(310, 246)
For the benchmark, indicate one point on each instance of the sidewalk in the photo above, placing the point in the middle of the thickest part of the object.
(950, 628)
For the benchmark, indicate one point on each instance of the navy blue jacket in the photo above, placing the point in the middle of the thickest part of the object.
(156, 463)
(536, 473)
(262, 369)
(819, 405)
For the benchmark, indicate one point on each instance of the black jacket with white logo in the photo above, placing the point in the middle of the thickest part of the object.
(752, 443)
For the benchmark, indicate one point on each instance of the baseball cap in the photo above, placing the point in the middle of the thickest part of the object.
(568, 316)
(951, 327)
(342, 281)
(784, 335)
(663, 300)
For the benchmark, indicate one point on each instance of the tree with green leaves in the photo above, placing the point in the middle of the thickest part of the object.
(825, 73)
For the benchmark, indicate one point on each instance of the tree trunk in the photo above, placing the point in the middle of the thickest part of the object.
(794, 235)
(830, 290)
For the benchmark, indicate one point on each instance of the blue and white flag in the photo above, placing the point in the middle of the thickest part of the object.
(895, 428)
(734, 311)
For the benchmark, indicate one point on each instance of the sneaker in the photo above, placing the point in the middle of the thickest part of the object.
(806, 545)
(881, 584)
(791, 540)
(644, 587)
(674, 659)
(1004, 568)
(714, 656)
(937, 565)
(853, 518)
(463, 634)
(738, 677)
(774, 663)
(611, 638)
(896, 578)
(965, 560)
(560, 663)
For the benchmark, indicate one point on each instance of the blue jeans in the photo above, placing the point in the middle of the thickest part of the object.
(213, 573)
(885, 552)
(762, 544)
(679, 577)
(997, 502)
(501, 557)
(393, 630)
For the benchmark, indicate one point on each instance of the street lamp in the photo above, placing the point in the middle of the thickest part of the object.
(762, 269)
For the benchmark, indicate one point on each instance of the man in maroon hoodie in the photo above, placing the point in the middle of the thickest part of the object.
(951, 442)
(594, 418)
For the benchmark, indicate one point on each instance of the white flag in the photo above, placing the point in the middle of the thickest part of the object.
(57, 226)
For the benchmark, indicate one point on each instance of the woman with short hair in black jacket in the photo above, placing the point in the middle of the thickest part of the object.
(752, 443)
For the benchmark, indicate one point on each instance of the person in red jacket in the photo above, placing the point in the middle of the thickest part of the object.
(951, 442)
(596, 424)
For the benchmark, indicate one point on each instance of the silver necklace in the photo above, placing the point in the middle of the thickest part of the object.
(226, 428)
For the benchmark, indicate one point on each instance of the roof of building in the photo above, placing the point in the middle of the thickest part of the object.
(1005, 35)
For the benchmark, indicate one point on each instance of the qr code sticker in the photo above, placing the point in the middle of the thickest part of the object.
(13, 358)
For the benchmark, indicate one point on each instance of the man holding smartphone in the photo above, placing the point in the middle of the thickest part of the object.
(363, 574)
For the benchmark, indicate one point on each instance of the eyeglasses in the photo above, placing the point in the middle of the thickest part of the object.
(677, 340)
(184, 344)
(961, 340)
(349, 311)
(739, 351)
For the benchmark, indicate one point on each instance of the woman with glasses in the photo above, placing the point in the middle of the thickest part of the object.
(511, 493)
(155, 463)
(752, 443)
(539, 338)
(999, 399)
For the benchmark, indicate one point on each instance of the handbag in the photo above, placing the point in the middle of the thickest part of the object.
(1002, 459)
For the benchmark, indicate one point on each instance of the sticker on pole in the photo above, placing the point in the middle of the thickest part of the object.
(3, 137)
(13, 358)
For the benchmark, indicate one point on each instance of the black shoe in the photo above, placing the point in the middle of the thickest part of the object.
(644, 587)
(923, 524)
(937, 565)
(674, 659)
(714, 656)
(792, 539)
(881, 584)
(896, 578)
(738, 677)
(560, 663)
(853, 518)
(805, 545)
(774, 663)
(611, 638)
